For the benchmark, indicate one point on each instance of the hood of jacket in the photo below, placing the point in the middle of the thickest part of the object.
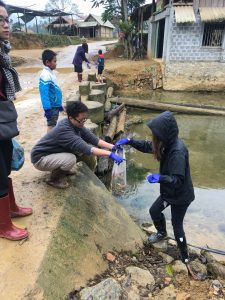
(101, 56)
(164, 127)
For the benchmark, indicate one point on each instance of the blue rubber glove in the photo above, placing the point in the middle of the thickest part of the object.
(48, 114)
(88, 65)
(119, 143)
(116, 158)
(153, 178)
(61, 108)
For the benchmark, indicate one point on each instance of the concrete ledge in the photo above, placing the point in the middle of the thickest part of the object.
(70, 230)
(91, 223)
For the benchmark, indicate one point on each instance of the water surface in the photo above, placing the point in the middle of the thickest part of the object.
(205, 139)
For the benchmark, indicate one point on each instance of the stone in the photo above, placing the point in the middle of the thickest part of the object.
(133, 293)
(167, 280)
(95, 111)
(84, 98)
(84, 88)
(216, 288)
(108, 105)
(108, 289)
(99, 86)
(97, 95)
(199, 269)
(73, 97)
(162, 245)
(216, 269)
(92, 77)
(183, 296)
(179, 267)
(109, 93)
(168, 293)
(110, 257)
(168, 259)
(208, 256)
(93, 127)
(140, 276)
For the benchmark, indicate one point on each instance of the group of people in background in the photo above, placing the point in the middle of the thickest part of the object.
(80, 57)
(67, 140)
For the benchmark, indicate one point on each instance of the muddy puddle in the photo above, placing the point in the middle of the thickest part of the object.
(205, 138)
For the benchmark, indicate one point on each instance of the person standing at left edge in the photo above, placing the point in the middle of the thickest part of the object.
(9, 85)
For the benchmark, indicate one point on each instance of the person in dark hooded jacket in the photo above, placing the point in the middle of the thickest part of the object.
(176, 188)
(78, 59)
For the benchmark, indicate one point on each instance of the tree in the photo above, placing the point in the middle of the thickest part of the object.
(116, 8)
(120, 9)
(68, 6)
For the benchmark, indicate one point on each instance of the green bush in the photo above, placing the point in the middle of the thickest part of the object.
(28, 41)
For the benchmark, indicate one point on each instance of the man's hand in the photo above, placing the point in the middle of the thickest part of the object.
(48, 114)
(119, 143)
(153, 178)
(118, 160)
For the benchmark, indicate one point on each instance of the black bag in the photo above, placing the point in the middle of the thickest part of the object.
(8, 120)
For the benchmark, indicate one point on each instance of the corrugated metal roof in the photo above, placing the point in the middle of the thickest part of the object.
(212, 14)
(184, 14)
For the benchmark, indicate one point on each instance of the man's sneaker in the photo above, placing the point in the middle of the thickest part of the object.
(157, 237)
(59, 184)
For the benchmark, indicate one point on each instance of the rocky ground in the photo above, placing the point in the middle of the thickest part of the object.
(155, 273)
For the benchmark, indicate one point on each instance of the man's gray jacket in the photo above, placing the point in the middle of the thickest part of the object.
(65, 137)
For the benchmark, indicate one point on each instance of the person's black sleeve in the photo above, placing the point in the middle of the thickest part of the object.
(142, 146)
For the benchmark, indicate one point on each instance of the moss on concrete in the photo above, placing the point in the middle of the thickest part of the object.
(91, 223)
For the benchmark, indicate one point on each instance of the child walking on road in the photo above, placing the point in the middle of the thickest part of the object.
(176, 188)
(100, 65)
(50, 92)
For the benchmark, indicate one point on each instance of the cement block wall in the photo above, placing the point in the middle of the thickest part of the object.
(194, 76)
(186, 43)
(183, 42)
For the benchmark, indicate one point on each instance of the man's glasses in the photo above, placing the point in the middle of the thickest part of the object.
(4, 20)
(81, 121)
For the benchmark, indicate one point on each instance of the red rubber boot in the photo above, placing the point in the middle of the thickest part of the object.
(80, 77)
(17, 211)
(7, 229)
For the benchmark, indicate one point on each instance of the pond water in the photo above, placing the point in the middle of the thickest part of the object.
(205, 139)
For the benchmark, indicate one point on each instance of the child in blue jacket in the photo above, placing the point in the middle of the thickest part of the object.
(50, 92)
(100, 65)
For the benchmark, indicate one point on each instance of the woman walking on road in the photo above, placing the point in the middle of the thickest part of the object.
(78, 59)
(9, 85)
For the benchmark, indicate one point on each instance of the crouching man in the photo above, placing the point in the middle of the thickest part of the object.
(59, 149)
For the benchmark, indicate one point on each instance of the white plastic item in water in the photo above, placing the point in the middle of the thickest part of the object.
(119, 175)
